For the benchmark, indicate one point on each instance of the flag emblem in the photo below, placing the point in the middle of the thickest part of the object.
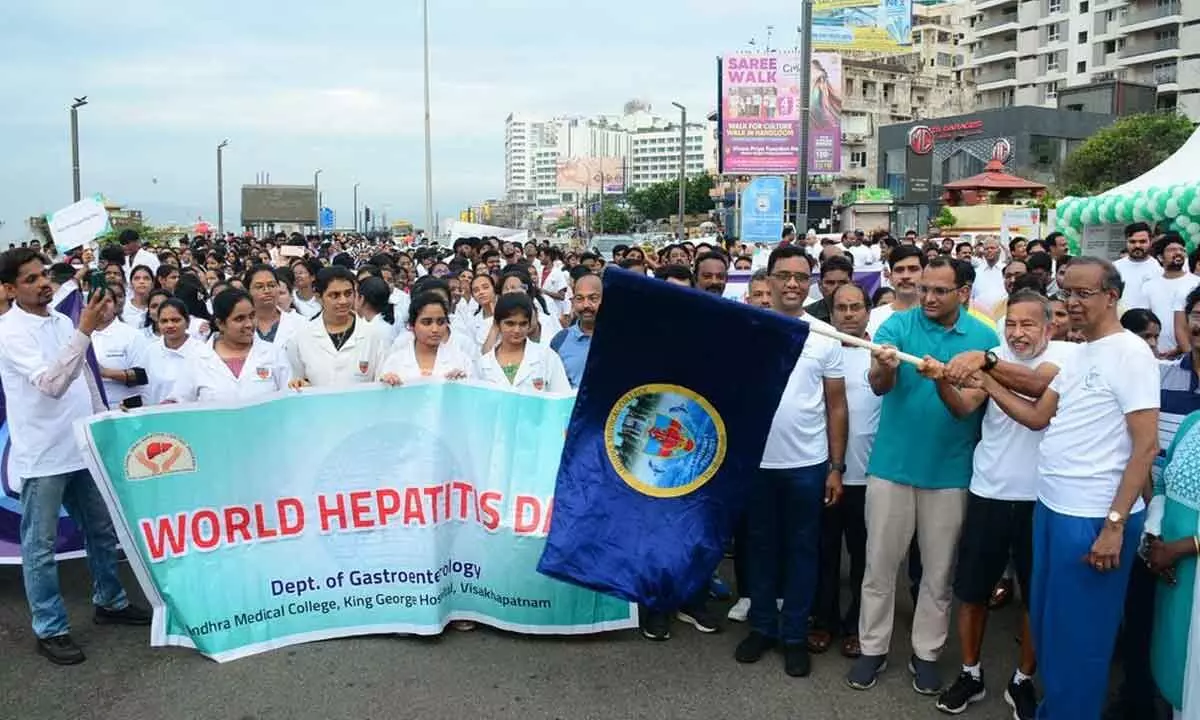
(665, 440)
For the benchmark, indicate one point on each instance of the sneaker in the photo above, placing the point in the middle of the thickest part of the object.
(718, 589)
(656, 626)
(700, 618)
(965, 691)
(864, 673)
(740, 610)
(129, 615)
(1022, 698)
(463, 625)
(925, 676)
(60, 650)
(796, 661)
(753, 647)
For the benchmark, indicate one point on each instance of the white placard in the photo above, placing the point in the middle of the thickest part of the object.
(78, 224)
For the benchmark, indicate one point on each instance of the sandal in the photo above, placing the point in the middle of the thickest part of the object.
(819, 641)
(850, 647)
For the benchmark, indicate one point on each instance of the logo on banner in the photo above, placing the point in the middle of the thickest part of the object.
(920, 139)
(1002, 150)
(665, 440)
(762, 202)
(158, 455)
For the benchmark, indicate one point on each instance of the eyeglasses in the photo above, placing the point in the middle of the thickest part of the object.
(1082, 293)
(940, 292)
(854, 307)
(785, 277)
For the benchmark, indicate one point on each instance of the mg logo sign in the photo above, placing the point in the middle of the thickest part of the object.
(920, 139)
(1002, 150)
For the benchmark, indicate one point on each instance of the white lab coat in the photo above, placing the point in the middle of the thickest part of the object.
(164, 366)
(314, 358)
(206, 377)
(541, 369)
(118, 347)
(291, 323)
(402, 361)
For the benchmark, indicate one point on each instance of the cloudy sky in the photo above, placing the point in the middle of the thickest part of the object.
(335, 86)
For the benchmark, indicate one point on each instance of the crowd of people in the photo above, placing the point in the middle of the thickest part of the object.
(1020, 447)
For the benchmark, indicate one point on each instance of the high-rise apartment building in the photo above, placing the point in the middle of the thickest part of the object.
(1024, 51)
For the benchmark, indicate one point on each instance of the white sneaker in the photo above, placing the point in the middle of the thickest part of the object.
(740, 610)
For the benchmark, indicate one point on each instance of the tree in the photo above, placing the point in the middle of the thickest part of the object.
(1123, 151)
(661, 200)
(564, 222)
(612, 220)
(945, 218)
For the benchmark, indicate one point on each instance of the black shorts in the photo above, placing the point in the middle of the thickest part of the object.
(994, 531)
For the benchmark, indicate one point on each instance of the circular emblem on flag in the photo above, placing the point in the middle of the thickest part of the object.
(1002, 150)
(920, 139)
(665, 440)
(157, 455)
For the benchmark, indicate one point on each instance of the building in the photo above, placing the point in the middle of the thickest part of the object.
(523, 136)
(1032, 142)
(1024, 51)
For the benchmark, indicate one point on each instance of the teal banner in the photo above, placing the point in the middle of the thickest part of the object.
(327, 514)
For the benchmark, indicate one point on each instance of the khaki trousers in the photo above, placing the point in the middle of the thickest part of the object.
(893, 513)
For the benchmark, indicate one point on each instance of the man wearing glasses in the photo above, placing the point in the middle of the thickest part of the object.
(918, 474)
(1094, 461)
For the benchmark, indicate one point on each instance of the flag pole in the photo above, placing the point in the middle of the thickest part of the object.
(859, 342)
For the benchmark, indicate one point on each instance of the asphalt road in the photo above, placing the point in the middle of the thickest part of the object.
(481, 674)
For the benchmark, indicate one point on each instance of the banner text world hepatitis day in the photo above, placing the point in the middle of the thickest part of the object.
(208, 529)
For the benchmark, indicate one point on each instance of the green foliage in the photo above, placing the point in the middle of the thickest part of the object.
(612, 220)
(564, 222)
(945, 218)
(661, 200)
(1123, 151)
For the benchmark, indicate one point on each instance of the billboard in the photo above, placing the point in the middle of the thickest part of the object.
(279, 204)
(762, 210)
(760, 113)
(585, 175)
(878, 26)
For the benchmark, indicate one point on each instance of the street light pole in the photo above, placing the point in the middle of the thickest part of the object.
(430, 231)
(356, 207)
(805, 121)
(600, 179)
(317, 200)
(221, 189)
(682, 169)
(79, 102)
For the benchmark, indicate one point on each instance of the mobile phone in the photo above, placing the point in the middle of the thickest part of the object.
(132, 402)
(96, 283)
(139, 377)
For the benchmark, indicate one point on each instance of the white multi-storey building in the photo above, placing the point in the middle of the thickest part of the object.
(1025, 51)
(523, 137)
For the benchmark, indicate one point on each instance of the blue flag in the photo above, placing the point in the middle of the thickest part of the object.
(672, 415)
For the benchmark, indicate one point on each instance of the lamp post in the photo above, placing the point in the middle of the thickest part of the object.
(356, 206)
(682, 169)
(317, 200)
(79, 102)
(221, 189)
(430, 231)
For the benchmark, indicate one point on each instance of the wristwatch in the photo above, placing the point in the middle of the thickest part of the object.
(1116, 518)
(990, 360)
(838, 467)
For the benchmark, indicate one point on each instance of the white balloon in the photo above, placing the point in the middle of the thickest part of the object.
(1172, 208)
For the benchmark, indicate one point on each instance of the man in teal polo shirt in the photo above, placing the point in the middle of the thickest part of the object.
(918, 474)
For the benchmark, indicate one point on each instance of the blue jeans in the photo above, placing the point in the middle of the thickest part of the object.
(1075, 611)
(783, 518)
(40, 500)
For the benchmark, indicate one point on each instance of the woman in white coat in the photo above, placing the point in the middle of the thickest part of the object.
(335, 349)
(167, 357)
(241, 365)
(427, 354)
(517, 361)
(118, 348)
(272, 323)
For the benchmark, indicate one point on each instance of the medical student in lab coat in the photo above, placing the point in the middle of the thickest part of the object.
(335, 349)
(427, 355)
(375, 308)
(271, 323)
(517, 361)
(241, 365)
(118, 348)
(167, 356)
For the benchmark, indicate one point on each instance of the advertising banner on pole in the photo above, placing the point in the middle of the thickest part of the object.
(877, 26)
(762, 210)
(760, 113)
(403, 509)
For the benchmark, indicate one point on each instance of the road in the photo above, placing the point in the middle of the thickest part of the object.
(481, 674)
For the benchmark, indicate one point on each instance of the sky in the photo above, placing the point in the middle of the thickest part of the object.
(335, 86)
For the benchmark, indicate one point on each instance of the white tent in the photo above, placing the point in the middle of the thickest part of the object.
(1180, 168)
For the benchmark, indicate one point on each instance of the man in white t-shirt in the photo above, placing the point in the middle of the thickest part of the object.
(905, 264)
(1166, 294)
(1003, 489)
(1094, 463)
(1137, 267)
(847, 519)
(988, 289)
(800, 473)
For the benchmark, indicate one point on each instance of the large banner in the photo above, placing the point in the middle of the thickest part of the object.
(760, 113)
(589, 174)
(327, 514)
(877, 26)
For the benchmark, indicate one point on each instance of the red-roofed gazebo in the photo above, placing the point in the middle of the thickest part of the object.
(977, 189)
